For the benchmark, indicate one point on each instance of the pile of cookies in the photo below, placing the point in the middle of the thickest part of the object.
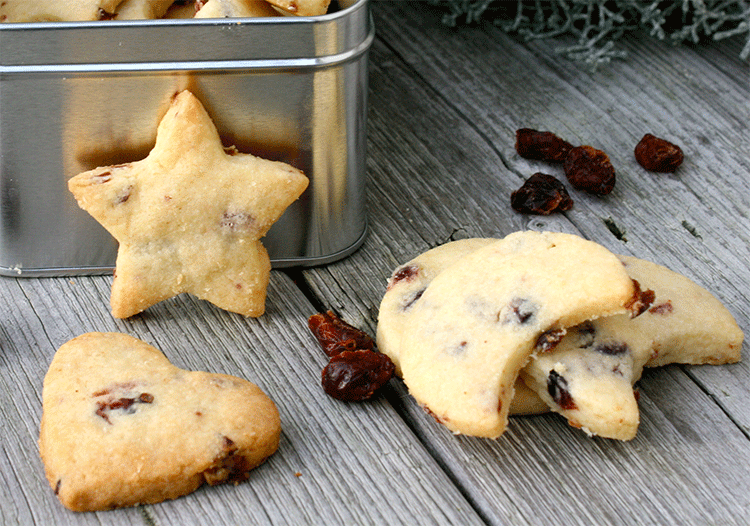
(483, 328)
(92, 10)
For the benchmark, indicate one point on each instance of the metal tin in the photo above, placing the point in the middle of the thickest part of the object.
(74, 96)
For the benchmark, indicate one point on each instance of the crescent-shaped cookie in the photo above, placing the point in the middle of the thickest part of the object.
(479, 321)
(406, 285)
(588, 377)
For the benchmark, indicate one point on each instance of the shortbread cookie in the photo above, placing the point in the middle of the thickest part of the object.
(142, 9)
(56, 10)
(478, 322)
(189, 216)
(123, 426)
(589, 376)
(236, 8)
(302, 7)
(688, 324)
(407, 284)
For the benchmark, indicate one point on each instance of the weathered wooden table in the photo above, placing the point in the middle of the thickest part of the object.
(444, 107)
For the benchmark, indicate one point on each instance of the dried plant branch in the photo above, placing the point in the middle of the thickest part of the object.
(598, 24)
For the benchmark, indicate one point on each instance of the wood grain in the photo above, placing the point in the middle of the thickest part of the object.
(444, 104)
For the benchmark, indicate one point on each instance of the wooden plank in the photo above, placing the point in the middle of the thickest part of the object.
(25, 352)
(444, 107)
(334, 460)
(445, 104)
(542, 470)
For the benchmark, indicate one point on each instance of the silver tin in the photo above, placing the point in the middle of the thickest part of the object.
(74, 96)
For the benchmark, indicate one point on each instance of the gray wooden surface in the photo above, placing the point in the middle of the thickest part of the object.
(444, 107)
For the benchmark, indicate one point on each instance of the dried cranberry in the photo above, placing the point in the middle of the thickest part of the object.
(641, 300)
(354, 376)
(406, 273)
(557, 387)
(590, 170)
(541, 194)
(229, 466)
(586, 334)
(541, 145)
(658, 155)
(612, 348)
(104, 15)
(520, 311)
(662, 308)
(410, 300)
(548, 340)
(336, 336)
(125, 404)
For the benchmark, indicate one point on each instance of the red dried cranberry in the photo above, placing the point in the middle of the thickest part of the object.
(354, 376)
(662, 308)
(125, 404)
(658, 155)
(548, 340)
(557, 387)
(641, 300)
(612, 348)
(336, 336)
(590, 170)
(541, 194)
(229, 466)
(406, 273)
(541, 145)
(520, 311)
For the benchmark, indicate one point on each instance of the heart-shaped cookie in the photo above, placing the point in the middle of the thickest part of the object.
(122, 426)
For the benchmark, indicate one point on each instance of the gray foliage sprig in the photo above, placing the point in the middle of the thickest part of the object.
(596, 25)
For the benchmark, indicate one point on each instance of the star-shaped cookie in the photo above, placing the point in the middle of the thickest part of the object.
(188, 217)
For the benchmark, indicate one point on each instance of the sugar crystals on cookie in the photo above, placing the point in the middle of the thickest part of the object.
(189, 217)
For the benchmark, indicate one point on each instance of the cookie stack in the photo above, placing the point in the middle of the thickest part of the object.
(483, 328)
